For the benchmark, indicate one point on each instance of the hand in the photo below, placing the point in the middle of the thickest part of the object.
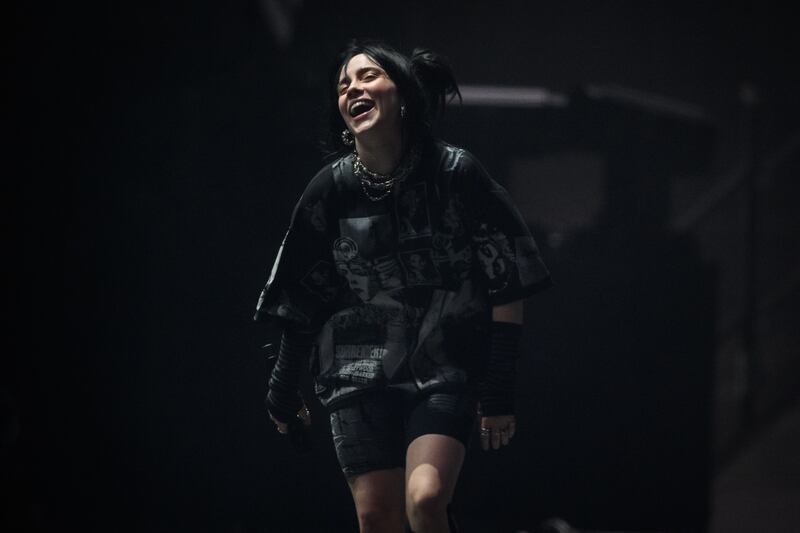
(283, 428)
(497, 430)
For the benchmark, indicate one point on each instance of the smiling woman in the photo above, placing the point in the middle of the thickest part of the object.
(371, 108)
(382, 280)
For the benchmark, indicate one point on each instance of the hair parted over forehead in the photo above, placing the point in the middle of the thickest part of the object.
(424, 81)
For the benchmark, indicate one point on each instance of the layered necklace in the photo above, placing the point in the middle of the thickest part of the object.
(378, 186)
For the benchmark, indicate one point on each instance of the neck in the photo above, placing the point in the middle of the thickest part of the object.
(382, 157)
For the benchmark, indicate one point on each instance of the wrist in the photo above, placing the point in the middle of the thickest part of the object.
(283, 406)
(493, 405)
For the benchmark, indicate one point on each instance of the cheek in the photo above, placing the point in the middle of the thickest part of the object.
(389, 95)
(342, 105)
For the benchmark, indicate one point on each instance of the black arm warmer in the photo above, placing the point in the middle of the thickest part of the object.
(283, 399)
(496, 389)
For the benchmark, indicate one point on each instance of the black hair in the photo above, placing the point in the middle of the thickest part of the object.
(424, 80)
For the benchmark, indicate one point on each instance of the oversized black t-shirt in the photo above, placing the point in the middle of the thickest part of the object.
(402, 289)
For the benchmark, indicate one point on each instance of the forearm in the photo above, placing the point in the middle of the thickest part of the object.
(496, 389)
(283, 399)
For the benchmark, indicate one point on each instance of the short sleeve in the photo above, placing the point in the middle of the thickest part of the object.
(505, 254)
(303, 282)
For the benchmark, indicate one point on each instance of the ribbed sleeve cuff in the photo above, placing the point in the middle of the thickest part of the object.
(496, 389)
(283, 398)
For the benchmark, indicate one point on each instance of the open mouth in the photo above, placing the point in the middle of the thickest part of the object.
(359, 107)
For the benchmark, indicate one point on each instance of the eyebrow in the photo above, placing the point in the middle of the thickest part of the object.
(361, 71)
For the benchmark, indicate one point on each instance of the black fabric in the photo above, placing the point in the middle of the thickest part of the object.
(496, 389)
(508, 257)
(402, 288)
(373, 431)
(283, 398)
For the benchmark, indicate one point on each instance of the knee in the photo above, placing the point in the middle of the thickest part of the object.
(425, 500)
(379, 518)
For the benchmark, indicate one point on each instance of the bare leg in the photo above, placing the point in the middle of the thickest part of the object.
(433, 463)
(379, 499)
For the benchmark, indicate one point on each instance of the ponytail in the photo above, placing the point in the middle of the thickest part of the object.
(436, 79)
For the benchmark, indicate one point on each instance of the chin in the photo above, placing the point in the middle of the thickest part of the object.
(366, 133)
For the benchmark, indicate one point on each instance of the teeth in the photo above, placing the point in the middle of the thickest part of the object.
(359, 107)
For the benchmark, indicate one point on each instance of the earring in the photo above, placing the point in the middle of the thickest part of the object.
(402, 111)
(347, 137)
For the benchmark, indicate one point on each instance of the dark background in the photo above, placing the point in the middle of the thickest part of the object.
(157, 149)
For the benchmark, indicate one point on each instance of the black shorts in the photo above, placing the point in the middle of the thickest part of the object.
(374, 431)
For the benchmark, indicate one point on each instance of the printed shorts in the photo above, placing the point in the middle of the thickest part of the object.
(374, 431)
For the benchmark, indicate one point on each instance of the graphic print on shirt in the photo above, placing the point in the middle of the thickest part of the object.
(413, 218)
(420, 268)
(321, 281)
(361, 255)
(495, 254)
(451, 250)
(359, 343)
(359, 364)
(452, 222)
(314, 215)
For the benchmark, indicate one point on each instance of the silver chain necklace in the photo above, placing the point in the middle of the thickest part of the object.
(378, 186)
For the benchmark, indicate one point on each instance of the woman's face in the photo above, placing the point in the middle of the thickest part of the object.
(368, 99)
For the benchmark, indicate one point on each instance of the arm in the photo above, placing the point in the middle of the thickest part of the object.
(512, 269)
(510, 312)
(283, 398)
(496, 390)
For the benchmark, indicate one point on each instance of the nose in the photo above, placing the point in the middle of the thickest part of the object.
(353, 89)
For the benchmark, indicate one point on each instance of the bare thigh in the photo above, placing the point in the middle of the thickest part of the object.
(379, 497)
(433, 464)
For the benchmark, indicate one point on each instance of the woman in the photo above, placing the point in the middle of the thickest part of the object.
(382, 280)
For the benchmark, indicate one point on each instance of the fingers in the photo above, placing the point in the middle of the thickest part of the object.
(283, 428)
(280, 426)
(497, 431)
(486, 434)
(496, 438)
(305, 415)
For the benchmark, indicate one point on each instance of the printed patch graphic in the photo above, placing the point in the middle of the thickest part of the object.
(413, 219)
(358, 256)
(321, 281)
(420, 268)
(344, 249)
(359, 363)
(495, 254)
(315, 216)
(363, 324)
(451, 250)
(453, 217)
(387, 269)
(371, 236)
(452, 262)
(360, 277)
